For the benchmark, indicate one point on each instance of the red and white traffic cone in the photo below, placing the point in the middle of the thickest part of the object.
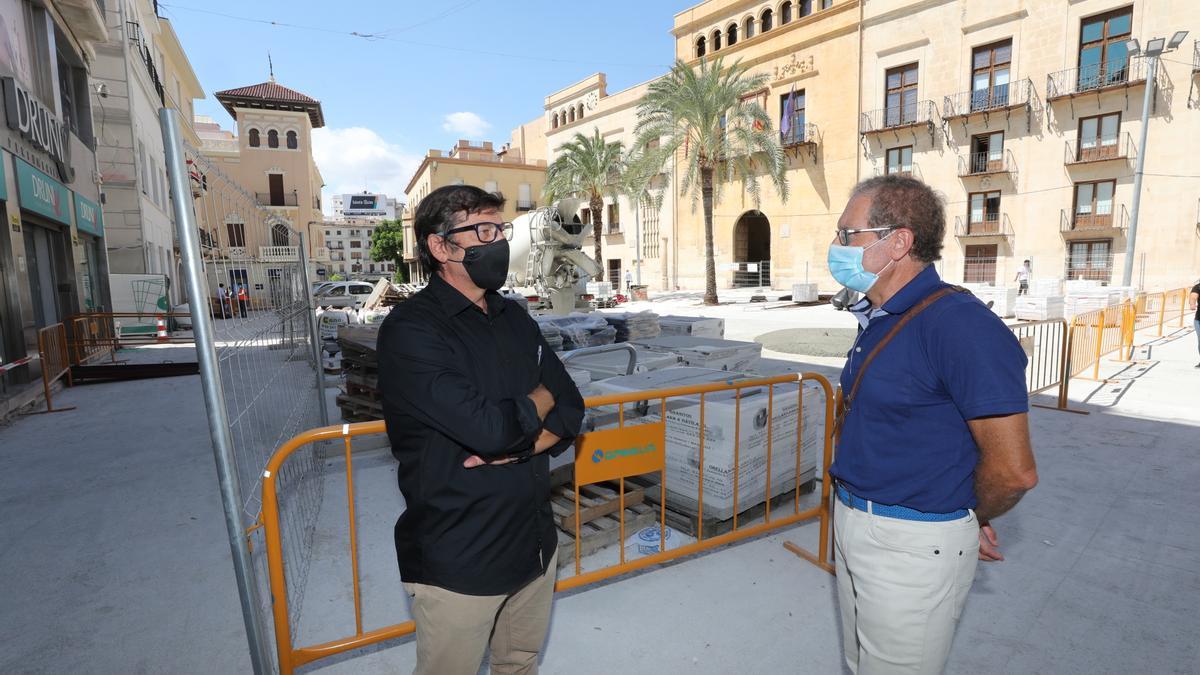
(162, 329)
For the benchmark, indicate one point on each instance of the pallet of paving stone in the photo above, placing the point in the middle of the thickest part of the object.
(683, 517)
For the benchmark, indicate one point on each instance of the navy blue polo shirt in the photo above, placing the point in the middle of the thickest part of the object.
(906, 440)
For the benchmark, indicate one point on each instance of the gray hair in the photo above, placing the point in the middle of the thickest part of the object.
(902, 201)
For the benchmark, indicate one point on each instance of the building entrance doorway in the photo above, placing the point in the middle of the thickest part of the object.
(752, 250)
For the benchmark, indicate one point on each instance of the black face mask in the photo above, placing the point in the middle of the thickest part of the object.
(487, 265)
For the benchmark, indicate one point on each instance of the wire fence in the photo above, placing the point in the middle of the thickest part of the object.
(258, 295)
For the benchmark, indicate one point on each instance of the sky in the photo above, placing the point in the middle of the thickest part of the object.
(420, 75)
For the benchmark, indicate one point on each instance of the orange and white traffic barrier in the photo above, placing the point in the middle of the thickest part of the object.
(162, 329)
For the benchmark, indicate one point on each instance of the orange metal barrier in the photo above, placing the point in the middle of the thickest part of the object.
(107, 335)
(56, 361)
(634, 447)
(91, 337)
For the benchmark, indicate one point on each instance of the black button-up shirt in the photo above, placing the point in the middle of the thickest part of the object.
(455, 382)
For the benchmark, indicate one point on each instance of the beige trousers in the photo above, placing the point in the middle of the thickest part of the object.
(901, 589)
(453, 629)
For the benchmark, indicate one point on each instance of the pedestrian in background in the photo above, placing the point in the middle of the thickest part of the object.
(223, 301)
(1023, 278)
(1194, 303)
(243, 298)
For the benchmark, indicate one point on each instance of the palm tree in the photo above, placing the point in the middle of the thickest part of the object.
(704, 113)
(590, 167)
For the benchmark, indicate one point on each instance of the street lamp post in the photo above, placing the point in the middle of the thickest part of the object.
(1155, 48)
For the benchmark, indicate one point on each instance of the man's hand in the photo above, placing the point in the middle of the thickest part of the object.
(543, 400)
(545, 441)
(989, 544)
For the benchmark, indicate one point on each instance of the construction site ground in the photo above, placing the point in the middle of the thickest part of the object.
(115, 557)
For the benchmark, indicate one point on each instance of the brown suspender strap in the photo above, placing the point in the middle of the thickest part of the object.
(911, 314)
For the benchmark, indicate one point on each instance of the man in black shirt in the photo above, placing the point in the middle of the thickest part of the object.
(475, 401)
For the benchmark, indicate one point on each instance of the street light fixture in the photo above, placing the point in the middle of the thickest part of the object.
(1155, 48)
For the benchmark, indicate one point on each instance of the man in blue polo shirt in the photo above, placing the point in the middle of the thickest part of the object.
(934, 434)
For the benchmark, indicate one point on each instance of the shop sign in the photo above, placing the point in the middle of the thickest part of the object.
(42, 194)
(88, 217)
(35, 123)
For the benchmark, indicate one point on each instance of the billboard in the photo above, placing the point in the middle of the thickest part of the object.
(367, 206)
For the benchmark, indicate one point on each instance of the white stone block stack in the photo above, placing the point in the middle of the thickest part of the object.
(1033, 308)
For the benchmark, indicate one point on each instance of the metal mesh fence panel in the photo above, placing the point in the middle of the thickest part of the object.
(260, 303)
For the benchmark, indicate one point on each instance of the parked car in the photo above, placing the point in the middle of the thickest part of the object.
(350, 294)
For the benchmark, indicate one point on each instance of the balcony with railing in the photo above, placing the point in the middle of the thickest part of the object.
(1104, 149)
(266, 199)
(798, 133)
(1101, 224)
(898, 117)
(999, 98)
(278, 253)
(990, 225)
(986, 164)
(1095, 78)
(526, 205)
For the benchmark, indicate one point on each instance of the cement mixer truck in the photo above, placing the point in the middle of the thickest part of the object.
(547, 261)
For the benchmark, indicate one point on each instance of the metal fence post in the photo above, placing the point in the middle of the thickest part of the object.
(210, 377)
(313, 331)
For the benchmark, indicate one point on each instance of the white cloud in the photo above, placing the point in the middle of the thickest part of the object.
(466, 123)
(356, 159)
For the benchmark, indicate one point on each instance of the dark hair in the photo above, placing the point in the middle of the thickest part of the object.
(442, 209)
(907, 202)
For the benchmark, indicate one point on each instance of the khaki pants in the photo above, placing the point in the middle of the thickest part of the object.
(453, 629)
(901, 589)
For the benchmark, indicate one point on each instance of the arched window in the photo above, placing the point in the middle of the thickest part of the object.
(716, 40)
(255, 141)
(700, 45)
(748, 28)
(272, 139)
(572, 114)
(292, 141)
(555, 120)
(765, 24)
(580, 111)
(806, 7)
(731, 35)
(785, 12)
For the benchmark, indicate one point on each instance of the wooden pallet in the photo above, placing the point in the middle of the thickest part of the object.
(601, 503)
(682, 516)
(359, 409)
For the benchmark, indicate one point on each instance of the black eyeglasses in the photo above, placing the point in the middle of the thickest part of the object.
(487, 232)
(844, 235)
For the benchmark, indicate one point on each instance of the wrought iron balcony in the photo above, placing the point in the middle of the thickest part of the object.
(989, 225)
(1086, 225)
(798, 133)
(898, 117)
(1000, 97)
(1096, 77)
(1103, 149)
(265, 199)
(986, 164)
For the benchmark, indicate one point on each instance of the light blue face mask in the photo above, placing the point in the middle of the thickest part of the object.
(846, 266)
